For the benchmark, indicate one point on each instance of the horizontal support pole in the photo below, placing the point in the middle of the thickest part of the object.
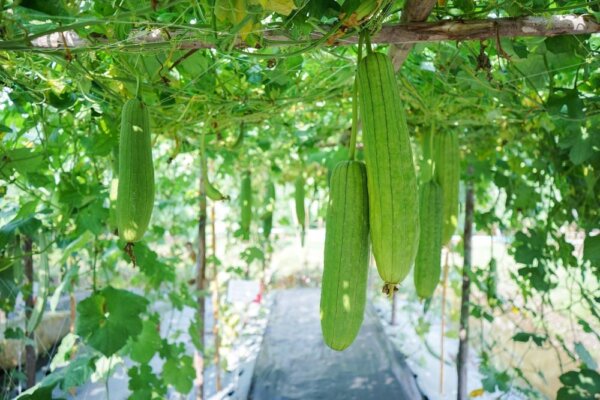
(413, 32)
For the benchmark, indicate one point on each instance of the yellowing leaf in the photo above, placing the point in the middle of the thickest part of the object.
(283, 7)
(477, 392)
(234, 12)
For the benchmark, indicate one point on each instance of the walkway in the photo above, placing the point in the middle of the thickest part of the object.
(294, 363)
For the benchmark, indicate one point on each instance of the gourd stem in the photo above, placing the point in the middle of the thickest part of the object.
(368, 43)
(137, 87)
(354, 132)
(431, 155)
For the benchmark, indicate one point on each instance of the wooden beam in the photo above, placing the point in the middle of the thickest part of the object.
(409, 33)
(489, 28)
(414, 11)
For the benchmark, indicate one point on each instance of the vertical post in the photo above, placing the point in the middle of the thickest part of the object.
(215, 300)
(72, 317)
(30, 357)
(200, 283)
(463, 346)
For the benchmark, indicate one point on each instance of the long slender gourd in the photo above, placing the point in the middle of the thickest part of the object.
(428, 262)
(299, 195)
(246, 205)
(344, 284)
(267, 218)
(135, 192)
(447, 174)
(393, 190)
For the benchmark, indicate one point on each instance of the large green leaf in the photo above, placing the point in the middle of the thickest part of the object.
(107, 319)
(144, 384)
(21, 160)
(179, 372)
(147, 343)
(579, 385)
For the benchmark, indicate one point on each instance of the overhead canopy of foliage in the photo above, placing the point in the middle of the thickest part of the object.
(526, 110)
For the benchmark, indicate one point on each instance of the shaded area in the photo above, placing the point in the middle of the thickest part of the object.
(295, 363)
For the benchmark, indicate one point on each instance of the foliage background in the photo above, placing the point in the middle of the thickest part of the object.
(526, 111)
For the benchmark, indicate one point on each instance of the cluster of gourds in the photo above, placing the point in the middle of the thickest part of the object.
(269, 206)
(372, 204)
(379, 201)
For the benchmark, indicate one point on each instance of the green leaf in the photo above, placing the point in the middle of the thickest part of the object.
(563, 44)
(581, 151)
(14, 333)
(107, 319)
(585, 356)
(145, 384)
(579, 385)
(465, 5)
(566, 102)
(27, 210)
(525, 337)
(80, 242)
(64, 351)
(21, 160)
(251, 254)
(76, 373)
(38, 392)
(27, 227)
(44, 6)
(93, 217)
(147, 260)
(591, 249)
(179, 373)
(61, 101)
(494, 379)
(147, 343)
(193, 330)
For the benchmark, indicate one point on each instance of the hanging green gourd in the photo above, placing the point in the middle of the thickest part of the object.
(246, 205)
(135, 192)
(393, 189)
(299, 196)
(346, 258)
(269, 209)
(210, 190)
(447, 174)
(428, 261)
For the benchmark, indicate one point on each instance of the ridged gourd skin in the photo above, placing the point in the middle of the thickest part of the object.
(269, 205)
(346, 261)
(299, 195)
(428, 262)
(135, 192)
(447, 174)
(246, 205)
(392, 180)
